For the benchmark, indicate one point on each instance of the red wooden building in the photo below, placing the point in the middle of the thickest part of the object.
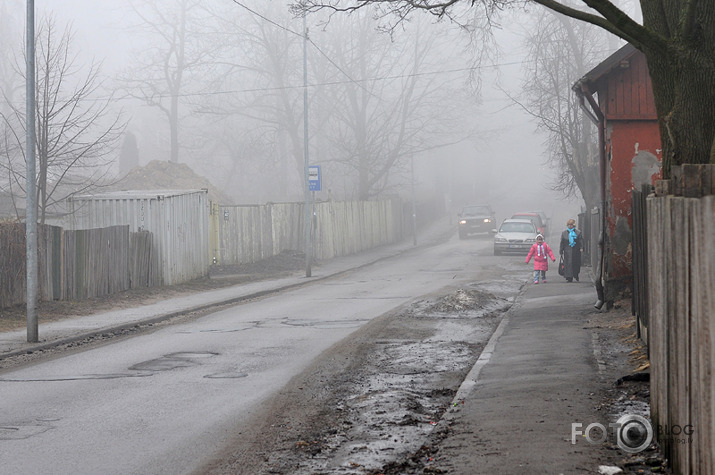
(630, 152)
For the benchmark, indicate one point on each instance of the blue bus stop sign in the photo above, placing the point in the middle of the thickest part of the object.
(314, 178)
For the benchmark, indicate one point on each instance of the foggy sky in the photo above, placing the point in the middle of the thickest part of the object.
(506, 169)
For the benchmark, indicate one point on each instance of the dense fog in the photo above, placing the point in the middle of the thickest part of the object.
(427, 107)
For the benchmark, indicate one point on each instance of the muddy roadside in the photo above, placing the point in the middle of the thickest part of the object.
(373, 405)
(372, 401)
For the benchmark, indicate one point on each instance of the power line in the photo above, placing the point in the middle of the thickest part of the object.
(330, 60)
(321, 84)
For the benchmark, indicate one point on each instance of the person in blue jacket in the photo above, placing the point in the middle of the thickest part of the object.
(570, 248)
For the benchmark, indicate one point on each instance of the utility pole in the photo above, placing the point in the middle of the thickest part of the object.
(31, 198)
(306, 187)
(414, 210)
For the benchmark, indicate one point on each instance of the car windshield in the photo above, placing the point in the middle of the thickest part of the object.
(476, 210)
(534, 219)
(517, 228)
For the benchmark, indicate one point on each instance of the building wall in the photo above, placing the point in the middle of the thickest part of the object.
(634, 158)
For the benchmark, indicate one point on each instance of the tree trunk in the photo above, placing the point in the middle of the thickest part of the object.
(690, 101)
(174, 129)
(683, 77)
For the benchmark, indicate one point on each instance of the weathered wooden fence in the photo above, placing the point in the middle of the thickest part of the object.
(85, 263)
(74, 265)
(143, 263)
(96, 262)
(681, 317)
(250, 233)
(639, 243)
(12, 263)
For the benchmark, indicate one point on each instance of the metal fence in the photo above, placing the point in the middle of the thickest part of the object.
(177, 219)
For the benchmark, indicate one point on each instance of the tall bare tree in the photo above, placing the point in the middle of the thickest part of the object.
(9, 40)
(393, 106)
(370, 105)
(271, 60)
(76, 135)
(676, 36)
(181, 46)
(561, 51)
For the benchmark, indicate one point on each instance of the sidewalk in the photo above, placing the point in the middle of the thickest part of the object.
(52, 334)
(540, 372)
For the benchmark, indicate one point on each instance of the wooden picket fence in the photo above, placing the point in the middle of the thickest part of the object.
(681, 316)
(74, 265)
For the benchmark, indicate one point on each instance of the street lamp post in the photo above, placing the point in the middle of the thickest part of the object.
(31, 198)
(308, 211)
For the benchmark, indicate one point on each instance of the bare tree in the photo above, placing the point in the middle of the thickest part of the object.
(392, 107)
(677, 38)
(181, 49)
(9, 39)
(561, 51)
(76, 136)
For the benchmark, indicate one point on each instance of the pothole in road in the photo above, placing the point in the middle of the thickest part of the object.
(173, 361)
(324, 324)
(227, 375)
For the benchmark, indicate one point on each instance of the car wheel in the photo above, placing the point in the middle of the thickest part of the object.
(462, 235)
(497, 253)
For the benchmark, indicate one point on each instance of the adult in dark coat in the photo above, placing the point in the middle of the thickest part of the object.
(570, 248)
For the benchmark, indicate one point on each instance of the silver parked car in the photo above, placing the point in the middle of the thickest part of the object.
(515, 235)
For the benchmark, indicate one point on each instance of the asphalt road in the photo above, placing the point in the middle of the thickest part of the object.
(167, 401)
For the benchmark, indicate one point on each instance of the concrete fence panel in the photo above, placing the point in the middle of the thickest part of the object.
(248, 233)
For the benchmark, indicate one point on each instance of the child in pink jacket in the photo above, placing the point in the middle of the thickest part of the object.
(540, 251)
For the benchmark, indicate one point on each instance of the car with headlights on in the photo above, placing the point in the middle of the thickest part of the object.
(475, 219)
(515, 235)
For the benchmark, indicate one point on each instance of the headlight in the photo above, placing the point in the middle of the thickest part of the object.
(464, 221)
(499, 239)
(487, 220)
